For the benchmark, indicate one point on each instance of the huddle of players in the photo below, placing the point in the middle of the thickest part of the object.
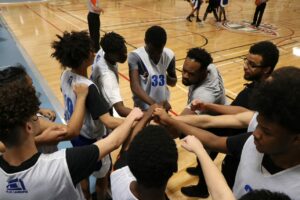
(149, 154)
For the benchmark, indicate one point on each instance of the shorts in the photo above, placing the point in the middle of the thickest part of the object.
(103, 166)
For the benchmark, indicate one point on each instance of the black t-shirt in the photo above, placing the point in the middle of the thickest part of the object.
(96, 103)
(235, 145)
(243, 98)
(81, 162)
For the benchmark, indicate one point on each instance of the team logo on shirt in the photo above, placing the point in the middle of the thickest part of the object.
(16, 186)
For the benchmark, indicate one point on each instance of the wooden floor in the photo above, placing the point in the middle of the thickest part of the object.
(35, 25)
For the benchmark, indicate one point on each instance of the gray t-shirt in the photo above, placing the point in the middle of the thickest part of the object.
(211, 90)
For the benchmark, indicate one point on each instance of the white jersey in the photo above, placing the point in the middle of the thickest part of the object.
(120, 184)
(251, 175)
(253, 123)
(91, 129)
(155, 83)
(105, 76)
(48, 179)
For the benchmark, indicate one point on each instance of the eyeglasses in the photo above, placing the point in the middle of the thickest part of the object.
(251, 64)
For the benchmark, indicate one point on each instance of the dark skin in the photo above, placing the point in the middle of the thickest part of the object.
(192, 74)
(154, 55)
(113, 58)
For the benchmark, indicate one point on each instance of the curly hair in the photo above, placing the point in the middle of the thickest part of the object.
(112, 42)
(264, 195)
(72, 48)
(277, 98)
(157, 36)
(201, 56)
(152, 157)
(18, 102)
(268, 51)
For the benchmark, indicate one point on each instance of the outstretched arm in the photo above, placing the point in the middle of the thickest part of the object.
(197, 104)
(237, 121)
(209, 140)
(216, 183)
(119, 135)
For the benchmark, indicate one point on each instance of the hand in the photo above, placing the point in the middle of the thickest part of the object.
(191, 143)
(136, 114)
(197, 104)
(81, 90)
(160, 116)
(50, 114)
(52, 135)
(167, 105)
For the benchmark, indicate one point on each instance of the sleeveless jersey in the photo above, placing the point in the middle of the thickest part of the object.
(155, 83)
(251, 175)
(253, 123)
(91, 129)
(48, 179)
(95, 3)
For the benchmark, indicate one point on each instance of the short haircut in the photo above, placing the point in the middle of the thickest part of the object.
(112, 42)
(264, 195)
(72, 48)
(201, 56)
(152, 157)
(156, 36)
(278, 97)
(18, 102)
(268, 51)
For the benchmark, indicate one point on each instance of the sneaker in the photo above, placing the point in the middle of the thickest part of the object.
(195, 191)
(189, 18)
(194, 171)
(198, 20)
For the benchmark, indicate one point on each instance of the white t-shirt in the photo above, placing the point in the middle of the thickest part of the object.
(251, 175)
(105, 76)
(91, 3)
(48, 179)
(120, 184)
(253, 123)
(211, 90)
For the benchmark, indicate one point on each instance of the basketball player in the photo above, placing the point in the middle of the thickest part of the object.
(195, 4)
(74, 50)
(105, 70)
(27, 174)
(151, 69)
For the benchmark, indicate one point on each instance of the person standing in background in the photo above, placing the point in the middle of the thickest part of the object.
(94, 22)
(260, 9)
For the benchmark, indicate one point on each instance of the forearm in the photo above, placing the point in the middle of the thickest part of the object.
(138, 91)
(200, 121)
(224, 109)
(77, 118)
(216, 183)
(138, 127)
(115, 138)
(122, 110)
(209, 140)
